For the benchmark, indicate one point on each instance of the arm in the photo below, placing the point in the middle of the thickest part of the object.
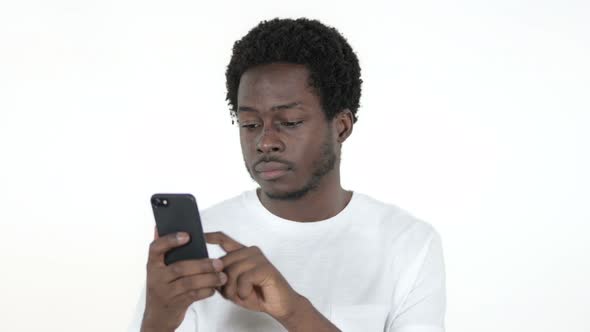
(255, 284)
(307, 318)
(171, 289)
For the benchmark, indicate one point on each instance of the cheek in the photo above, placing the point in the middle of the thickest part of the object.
(305, 152)
(246, 148)
(246, 141)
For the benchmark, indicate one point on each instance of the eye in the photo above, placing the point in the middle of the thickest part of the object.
(250, 125)
(291, 124)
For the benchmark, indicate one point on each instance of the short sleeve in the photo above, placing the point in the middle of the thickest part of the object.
(189, 324)
(421, 302)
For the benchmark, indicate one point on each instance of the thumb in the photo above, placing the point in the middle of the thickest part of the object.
(156, 235)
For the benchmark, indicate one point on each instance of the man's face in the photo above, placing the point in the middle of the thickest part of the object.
(287, 144)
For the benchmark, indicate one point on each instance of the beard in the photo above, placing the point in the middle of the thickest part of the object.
(320, 168)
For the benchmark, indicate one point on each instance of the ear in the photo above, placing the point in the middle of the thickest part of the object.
(343, 123)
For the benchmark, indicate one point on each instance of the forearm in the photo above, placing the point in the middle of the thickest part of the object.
(152, 329)
(308, 318)
(149, 326)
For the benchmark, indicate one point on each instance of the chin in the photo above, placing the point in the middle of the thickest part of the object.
(283, 192)
(275, 189)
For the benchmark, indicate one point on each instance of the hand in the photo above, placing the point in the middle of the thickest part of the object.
(171, 289)
(253, 282)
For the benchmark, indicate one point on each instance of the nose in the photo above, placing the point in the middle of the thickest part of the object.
(269, 141)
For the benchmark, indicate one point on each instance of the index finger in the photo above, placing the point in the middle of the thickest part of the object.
(227, 243)
(163, 244)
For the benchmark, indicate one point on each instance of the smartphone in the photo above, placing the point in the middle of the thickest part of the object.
(179, 213)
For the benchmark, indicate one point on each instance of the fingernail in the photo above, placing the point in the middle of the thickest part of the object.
(181, 237)
(222, 277)
(217, 264)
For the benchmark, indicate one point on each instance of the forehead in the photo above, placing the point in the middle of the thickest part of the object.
(274, 83)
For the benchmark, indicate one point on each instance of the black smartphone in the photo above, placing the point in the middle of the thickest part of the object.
(179, 213)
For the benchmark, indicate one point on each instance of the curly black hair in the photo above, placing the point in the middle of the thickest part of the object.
(333, 65)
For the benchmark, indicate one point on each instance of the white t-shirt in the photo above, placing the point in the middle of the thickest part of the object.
(372, 267)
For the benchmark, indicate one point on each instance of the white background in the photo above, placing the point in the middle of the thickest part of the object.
(474, 117)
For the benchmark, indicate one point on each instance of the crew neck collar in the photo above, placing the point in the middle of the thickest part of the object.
(252, 202)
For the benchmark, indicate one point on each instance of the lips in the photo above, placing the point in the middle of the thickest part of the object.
(271, 170)
(271, 166)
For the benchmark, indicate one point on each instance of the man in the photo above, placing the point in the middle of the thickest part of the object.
(299, 253)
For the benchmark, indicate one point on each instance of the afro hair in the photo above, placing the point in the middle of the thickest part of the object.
(333, 66)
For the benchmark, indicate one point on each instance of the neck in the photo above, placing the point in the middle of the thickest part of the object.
(324, 202)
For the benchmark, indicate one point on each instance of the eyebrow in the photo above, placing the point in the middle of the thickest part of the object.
(274, 108)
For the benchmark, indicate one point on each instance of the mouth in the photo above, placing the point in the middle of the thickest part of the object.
(272, 174)
(269, 171)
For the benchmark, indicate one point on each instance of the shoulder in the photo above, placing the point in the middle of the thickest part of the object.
(396, 223)
(227, 209)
